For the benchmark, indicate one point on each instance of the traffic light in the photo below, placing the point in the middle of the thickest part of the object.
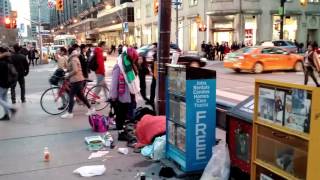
(59, 5)
(303, 3)
(202, 27)
(7, 23)
(155, 7)
(198, 19)
(13, 23)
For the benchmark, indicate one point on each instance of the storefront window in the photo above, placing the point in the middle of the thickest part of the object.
(193, 2)
(193, 36)
(155, 33)
(147, 33)
(250, 31)
(289, 28)
(223, 32)
(138, 13)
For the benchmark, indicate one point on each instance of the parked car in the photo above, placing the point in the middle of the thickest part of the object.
(147, 50)
(193, 60)
(287, 45)
(258, 59)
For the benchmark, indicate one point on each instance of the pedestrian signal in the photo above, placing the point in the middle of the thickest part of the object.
(202, 27)
(155, 7)
(59, 5)
(198, 19)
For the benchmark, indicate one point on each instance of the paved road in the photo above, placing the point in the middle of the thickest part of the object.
(235, 87)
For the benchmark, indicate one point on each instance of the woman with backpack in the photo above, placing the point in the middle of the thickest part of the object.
(75, 76)
(311, 64)
(5, 84)
(123, 87)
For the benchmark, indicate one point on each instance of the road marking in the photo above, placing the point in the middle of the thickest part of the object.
(230, 95)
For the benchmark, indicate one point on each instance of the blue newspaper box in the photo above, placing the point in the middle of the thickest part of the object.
(191, 116)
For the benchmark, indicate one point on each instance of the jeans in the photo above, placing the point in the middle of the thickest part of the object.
(21, 82)
(4, 100)
(101, 81)
(121, 111)
(308, 71)
(153, 90)
(76, 89)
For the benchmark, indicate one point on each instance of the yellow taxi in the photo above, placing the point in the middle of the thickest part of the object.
(259, 59)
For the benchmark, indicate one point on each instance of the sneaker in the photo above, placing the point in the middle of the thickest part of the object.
(61, 108)
(91, 111)
(67, 116)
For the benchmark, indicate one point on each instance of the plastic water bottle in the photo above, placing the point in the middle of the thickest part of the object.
(46, 154)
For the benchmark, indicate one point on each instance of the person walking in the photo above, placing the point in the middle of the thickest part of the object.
(21, 64)
(100, 72)
(62, 58)
(32, 56)
(311, 64)
(143, 71)
(84, 60)
(4, 84)
(76, 79)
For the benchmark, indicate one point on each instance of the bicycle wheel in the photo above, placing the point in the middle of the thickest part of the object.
(52, 103)
(97, 97)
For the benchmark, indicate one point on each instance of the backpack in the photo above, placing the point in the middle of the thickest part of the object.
(12, 74)
(99, 123)
(93, 64)
(141, 111)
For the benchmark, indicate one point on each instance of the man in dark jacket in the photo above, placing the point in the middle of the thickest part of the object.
(32, 56)
(4, 84)
(21, 64)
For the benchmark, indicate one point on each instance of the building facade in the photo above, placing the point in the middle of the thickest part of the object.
(96, 20)
(5, 8)
(34, 14)
(248, 21)
(115, 23)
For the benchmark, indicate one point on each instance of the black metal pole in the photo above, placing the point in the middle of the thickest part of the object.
(163, 51)
(282, 19)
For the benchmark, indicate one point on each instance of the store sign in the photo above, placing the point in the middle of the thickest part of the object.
(201, 114)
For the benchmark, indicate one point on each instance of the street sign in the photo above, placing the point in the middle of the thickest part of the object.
(51, 4)
(125, 27)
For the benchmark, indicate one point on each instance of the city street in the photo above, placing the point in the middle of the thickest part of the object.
(23, 138)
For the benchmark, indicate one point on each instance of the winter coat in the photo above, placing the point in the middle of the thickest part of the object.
(124, 97)
(74, 69)
(99, 55)
(20, 63)
(4, 72)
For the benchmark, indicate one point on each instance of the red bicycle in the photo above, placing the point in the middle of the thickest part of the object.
(55, 100)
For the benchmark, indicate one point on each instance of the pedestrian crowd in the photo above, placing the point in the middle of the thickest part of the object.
(218, 51)
(13, 69)
(128, 77)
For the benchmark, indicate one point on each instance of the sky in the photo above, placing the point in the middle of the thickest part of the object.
(22, 7)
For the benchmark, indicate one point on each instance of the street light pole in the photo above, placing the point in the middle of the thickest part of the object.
(163, 52)
(282, 18)
(39, 29)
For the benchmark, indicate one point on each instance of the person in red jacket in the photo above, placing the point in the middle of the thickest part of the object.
(100, 72)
